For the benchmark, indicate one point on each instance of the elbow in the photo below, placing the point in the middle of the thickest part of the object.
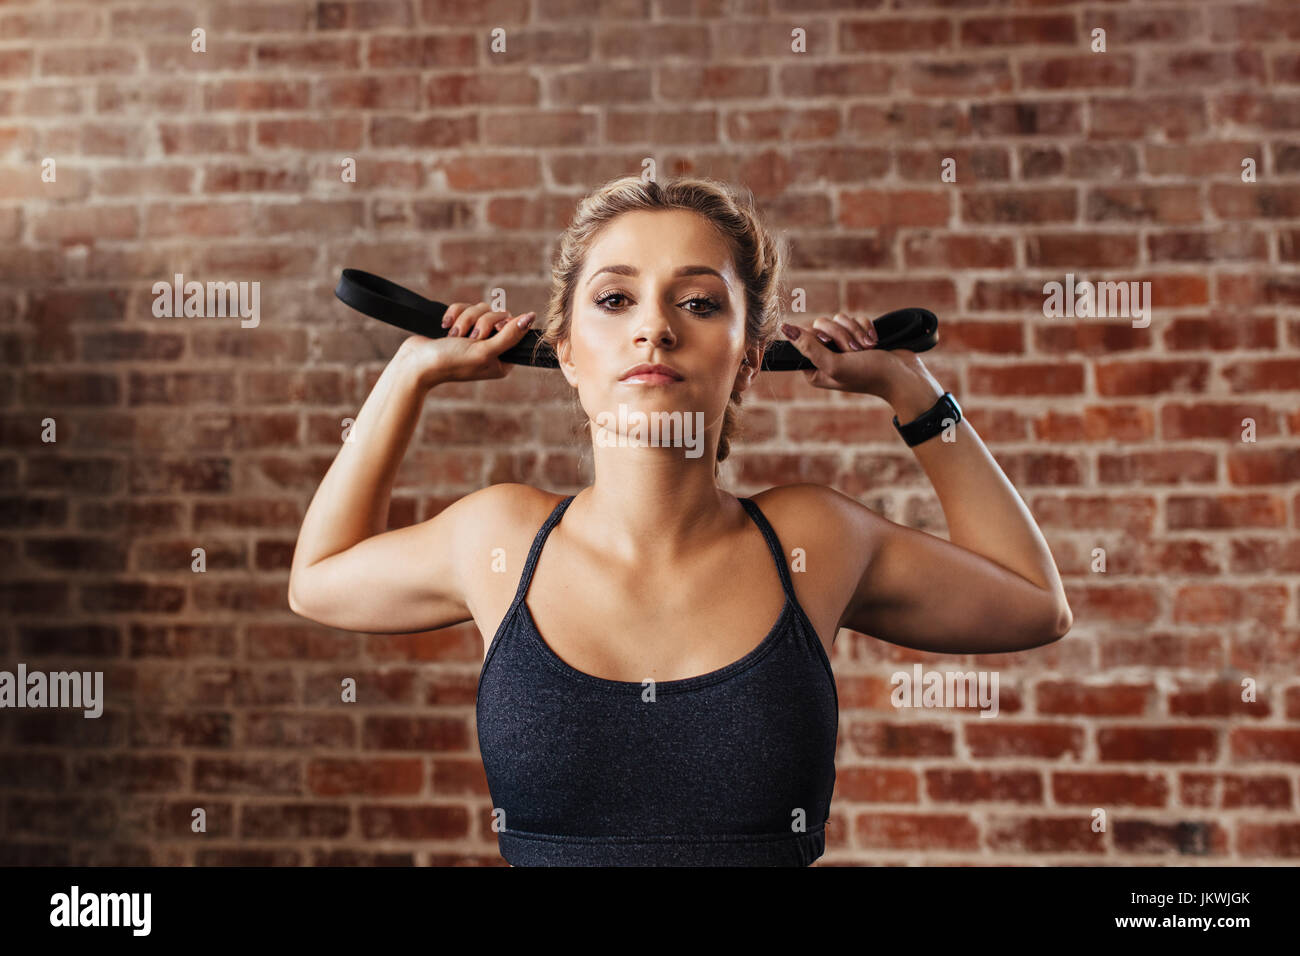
(1064, 621)
(294, 604)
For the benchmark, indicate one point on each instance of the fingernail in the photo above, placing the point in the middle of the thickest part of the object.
(791, 331)
(446, 321)
(525, 319)
(473, 333)
(856, 346)
(453, 332)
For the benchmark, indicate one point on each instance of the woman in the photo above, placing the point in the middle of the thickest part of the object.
(657, 686)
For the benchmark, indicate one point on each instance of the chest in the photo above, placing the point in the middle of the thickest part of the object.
(638, 630)
(626, 622)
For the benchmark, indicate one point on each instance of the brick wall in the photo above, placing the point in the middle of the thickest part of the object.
(177, 433)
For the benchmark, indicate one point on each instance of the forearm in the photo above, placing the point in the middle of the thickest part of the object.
(985, 513)
(352, 501)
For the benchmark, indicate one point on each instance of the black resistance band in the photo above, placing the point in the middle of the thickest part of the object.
(914, 329)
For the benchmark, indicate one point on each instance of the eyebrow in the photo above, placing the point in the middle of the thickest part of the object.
(624, 270)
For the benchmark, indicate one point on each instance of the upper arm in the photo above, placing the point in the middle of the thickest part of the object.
(415, 578)
(923, 592)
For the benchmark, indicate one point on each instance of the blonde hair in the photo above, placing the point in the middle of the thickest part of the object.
(758, 257)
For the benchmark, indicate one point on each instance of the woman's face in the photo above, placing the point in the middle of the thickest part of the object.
(646, 312)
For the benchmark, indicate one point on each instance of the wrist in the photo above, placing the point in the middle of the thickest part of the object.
(914, 397)
(416, 373)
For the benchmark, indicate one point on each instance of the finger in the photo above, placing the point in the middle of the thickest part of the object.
(857, 329)
(806, 342)
(482, 326)
(510, 333)
(838, 333)
(466, 319)
(453, 310)
(504, 317)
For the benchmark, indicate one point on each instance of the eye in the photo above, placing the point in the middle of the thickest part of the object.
(712, 305)
(610, 295)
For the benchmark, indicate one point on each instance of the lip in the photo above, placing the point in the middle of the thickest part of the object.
(652, 375)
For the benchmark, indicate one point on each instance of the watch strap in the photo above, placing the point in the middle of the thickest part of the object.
(930, 422)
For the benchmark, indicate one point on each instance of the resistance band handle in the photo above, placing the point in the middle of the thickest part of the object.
(913, 328)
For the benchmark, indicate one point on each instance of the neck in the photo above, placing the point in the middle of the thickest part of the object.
(654, 503)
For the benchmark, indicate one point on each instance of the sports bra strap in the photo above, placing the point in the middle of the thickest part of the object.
(755, 513)
(773, 544)
(538, 540)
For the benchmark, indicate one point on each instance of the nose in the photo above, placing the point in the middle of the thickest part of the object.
(656, 330)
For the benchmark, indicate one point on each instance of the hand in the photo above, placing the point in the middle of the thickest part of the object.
(865, 369)
(476, 336)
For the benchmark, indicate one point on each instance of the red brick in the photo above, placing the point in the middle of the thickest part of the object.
(423, 822)
(876, 785)
(1265, 375)
(793, 125)
(1042, 835)
(1054, 117)
(1025, 378)
(847, 78)
(1170, 466)
(342, 53)
(1098, 700)
(1224, 511)
(1209, 604)
(1073, 250)
(899, 831)
(1090, 789)
(328, 777)
(999, 786)
(1048, 741)
(1175, 117)
(1135, 514)
(1188, 838)
(1179, 744)
(954, 77)
(1018, 205)
(1090, 336)
(1220, 698)
(1097, 423)
(1077, 71)
(1010, 30)
(1200, 160)
(907, 122)
(1254, 201)
(1253, 110)
(867, 208)
(1268, 840)
(891, 36)
(1149, 377)
(1198, 68)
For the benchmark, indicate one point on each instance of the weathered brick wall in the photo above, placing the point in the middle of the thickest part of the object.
(179, 433)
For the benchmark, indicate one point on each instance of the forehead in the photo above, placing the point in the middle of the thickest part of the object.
(658, 241)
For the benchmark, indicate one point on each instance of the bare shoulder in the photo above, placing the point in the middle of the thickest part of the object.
(830, 537)
(499, 519)
(819, 510)
(501, 512)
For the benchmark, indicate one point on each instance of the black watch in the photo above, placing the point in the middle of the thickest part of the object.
(931, 422)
